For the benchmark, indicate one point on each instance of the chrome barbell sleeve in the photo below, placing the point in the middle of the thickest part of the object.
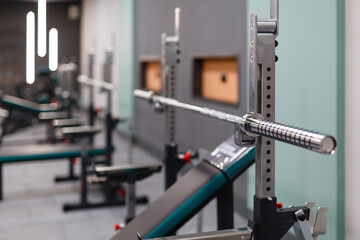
(314, 141)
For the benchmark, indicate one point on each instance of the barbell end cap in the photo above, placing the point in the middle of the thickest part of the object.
(328, 145)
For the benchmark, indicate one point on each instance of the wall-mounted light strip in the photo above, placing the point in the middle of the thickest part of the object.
(42, 28)
(30, 47)
(53, 49)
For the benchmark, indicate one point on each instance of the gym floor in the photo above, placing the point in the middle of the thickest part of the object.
(32, 205)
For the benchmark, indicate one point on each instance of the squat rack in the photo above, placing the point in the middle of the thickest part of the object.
(258, 128)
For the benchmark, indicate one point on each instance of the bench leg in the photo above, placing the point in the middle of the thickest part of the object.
(130, 201)
(71, 176)
(84, 189)
(84, 186)
(225, 207)
(171, 165)
(107, 203)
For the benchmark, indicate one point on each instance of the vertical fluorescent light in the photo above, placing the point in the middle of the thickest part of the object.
(30, 47)
(53, 49)
(41, 28)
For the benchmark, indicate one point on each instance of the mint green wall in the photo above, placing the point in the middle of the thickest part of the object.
(126, 61)
(309, 94)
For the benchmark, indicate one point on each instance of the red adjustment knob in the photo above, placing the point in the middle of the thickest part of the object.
(121, 192)
(98, 110)
(75, 160)
(279, 205)
(117, 226)
(64, 141)
(187, 157)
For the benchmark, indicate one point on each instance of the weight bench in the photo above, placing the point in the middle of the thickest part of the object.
(50, 116)
(129, 174)
(190, 193)
(16, 108)
(19, 103)
(78, 132)
(44, 152)
(74, 122)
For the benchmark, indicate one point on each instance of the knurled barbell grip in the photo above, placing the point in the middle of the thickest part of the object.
(314, 141)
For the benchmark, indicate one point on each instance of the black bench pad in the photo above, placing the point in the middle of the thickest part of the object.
(73, 122)
(125, 172)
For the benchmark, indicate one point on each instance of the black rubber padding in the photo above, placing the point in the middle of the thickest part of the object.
(128, 172)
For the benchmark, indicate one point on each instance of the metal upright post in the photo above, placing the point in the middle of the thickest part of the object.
(84, 187)
(109, 122)
(262, 101)
(169, 59)
(91, 89)
(108, 75)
